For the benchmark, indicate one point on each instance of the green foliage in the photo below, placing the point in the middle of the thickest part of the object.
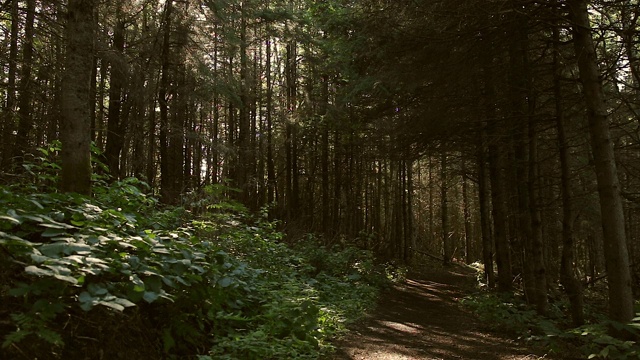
(592, 341)
(42, 169)
(223, 286)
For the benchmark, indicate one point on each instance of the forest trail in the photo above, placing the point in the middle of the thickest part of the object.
(422, 319)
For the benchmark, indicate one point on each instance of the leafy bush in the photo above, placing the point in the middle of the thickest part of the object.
(505, 312)
(222, 286)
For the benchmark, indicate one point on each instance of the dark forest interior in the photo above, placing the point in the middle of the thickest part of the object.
(227, 179)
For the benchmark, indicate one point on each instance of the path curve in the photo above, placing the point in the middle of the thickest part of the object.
(422, 319)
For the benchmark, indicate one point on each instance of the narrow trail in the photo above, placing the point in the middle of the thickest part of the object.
(422, 319)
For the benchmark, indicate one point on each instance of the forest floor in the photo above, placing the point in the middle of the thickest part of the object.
(422, 318)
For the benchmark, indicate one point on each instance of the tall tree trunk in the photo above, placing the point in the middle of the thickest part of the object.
(115, 123)
(8, 118)
(324, 128)
(167, 193)
(498, 199)
(271, 170)
(444, 211)
(496, 160)
(25, 116)
(291, 142)
(244, 121)
(568, 277)
(485, 216)
(76, 125)
(611, 209)
(537, 243)
(409, 235)
(100, 116)
(466, 214)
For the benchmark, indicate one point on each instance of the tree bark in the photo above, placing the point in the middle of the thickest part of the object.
(76, 125)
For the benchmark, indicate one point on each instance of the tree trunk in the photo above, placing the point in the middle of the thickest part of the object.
(444, 211)
(167, 192)
(466, 212)
(615, 248)
(244, 121)
(537, 243)
(568, 278)
(115, 128)
(485, 216)
(8, 118)
(25, 116)
(76, 125)
(271, 171)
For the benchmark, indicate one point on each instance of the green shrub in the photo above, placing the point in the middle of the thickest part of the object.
(507, 313)
(223, 286)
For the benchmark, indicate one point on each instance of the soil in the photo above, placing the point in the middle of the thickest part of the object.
(422, 318)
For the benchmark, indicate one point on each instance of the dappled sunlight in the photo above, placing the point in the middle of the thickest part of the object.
(420, 319)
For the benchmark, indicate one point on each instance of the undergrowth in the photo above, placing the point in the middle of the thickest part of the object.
(117, 276)
(509, 313)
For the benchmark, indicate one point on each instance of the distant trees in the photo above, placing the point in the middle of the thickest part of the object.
(519, 64)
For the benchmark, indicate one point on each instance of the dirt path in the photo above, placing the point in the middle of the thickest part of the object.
(422, 319)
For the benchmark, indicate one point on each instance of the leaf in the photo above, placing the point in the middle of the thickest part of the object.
(150, 296)
(57, 225)
(34, 218)
(50, 336)
(86, 306)
(66, 278)
(53, 249)
(167, 340)
(161, 250)
(124, 302)
(34, 270)
(59, 269)
(37, 204)
(77, 248)
(75, 258)
(153, 283)
(225, 281)
(21, 290)
(12, 239)
(11, 219)
(93, 260)
(52, 232)
(39, 258)
(85, 297)
(112, 304)
(97, 289)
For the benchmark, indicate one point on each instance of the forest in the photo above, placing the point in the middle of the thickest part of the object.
(229, 179)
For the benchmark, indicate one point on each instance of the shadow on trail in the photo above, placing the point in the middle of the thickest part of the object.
(421, 319)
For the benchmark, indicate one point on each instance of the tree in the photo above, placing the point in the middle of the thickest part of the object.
(611, 209)
(76, 124)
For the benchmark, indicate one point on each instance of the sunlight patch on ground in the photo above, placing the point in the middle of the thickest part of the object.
(406, 328)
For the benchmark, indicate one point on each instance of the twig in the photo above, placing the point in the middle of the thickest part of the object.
(19, 350)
